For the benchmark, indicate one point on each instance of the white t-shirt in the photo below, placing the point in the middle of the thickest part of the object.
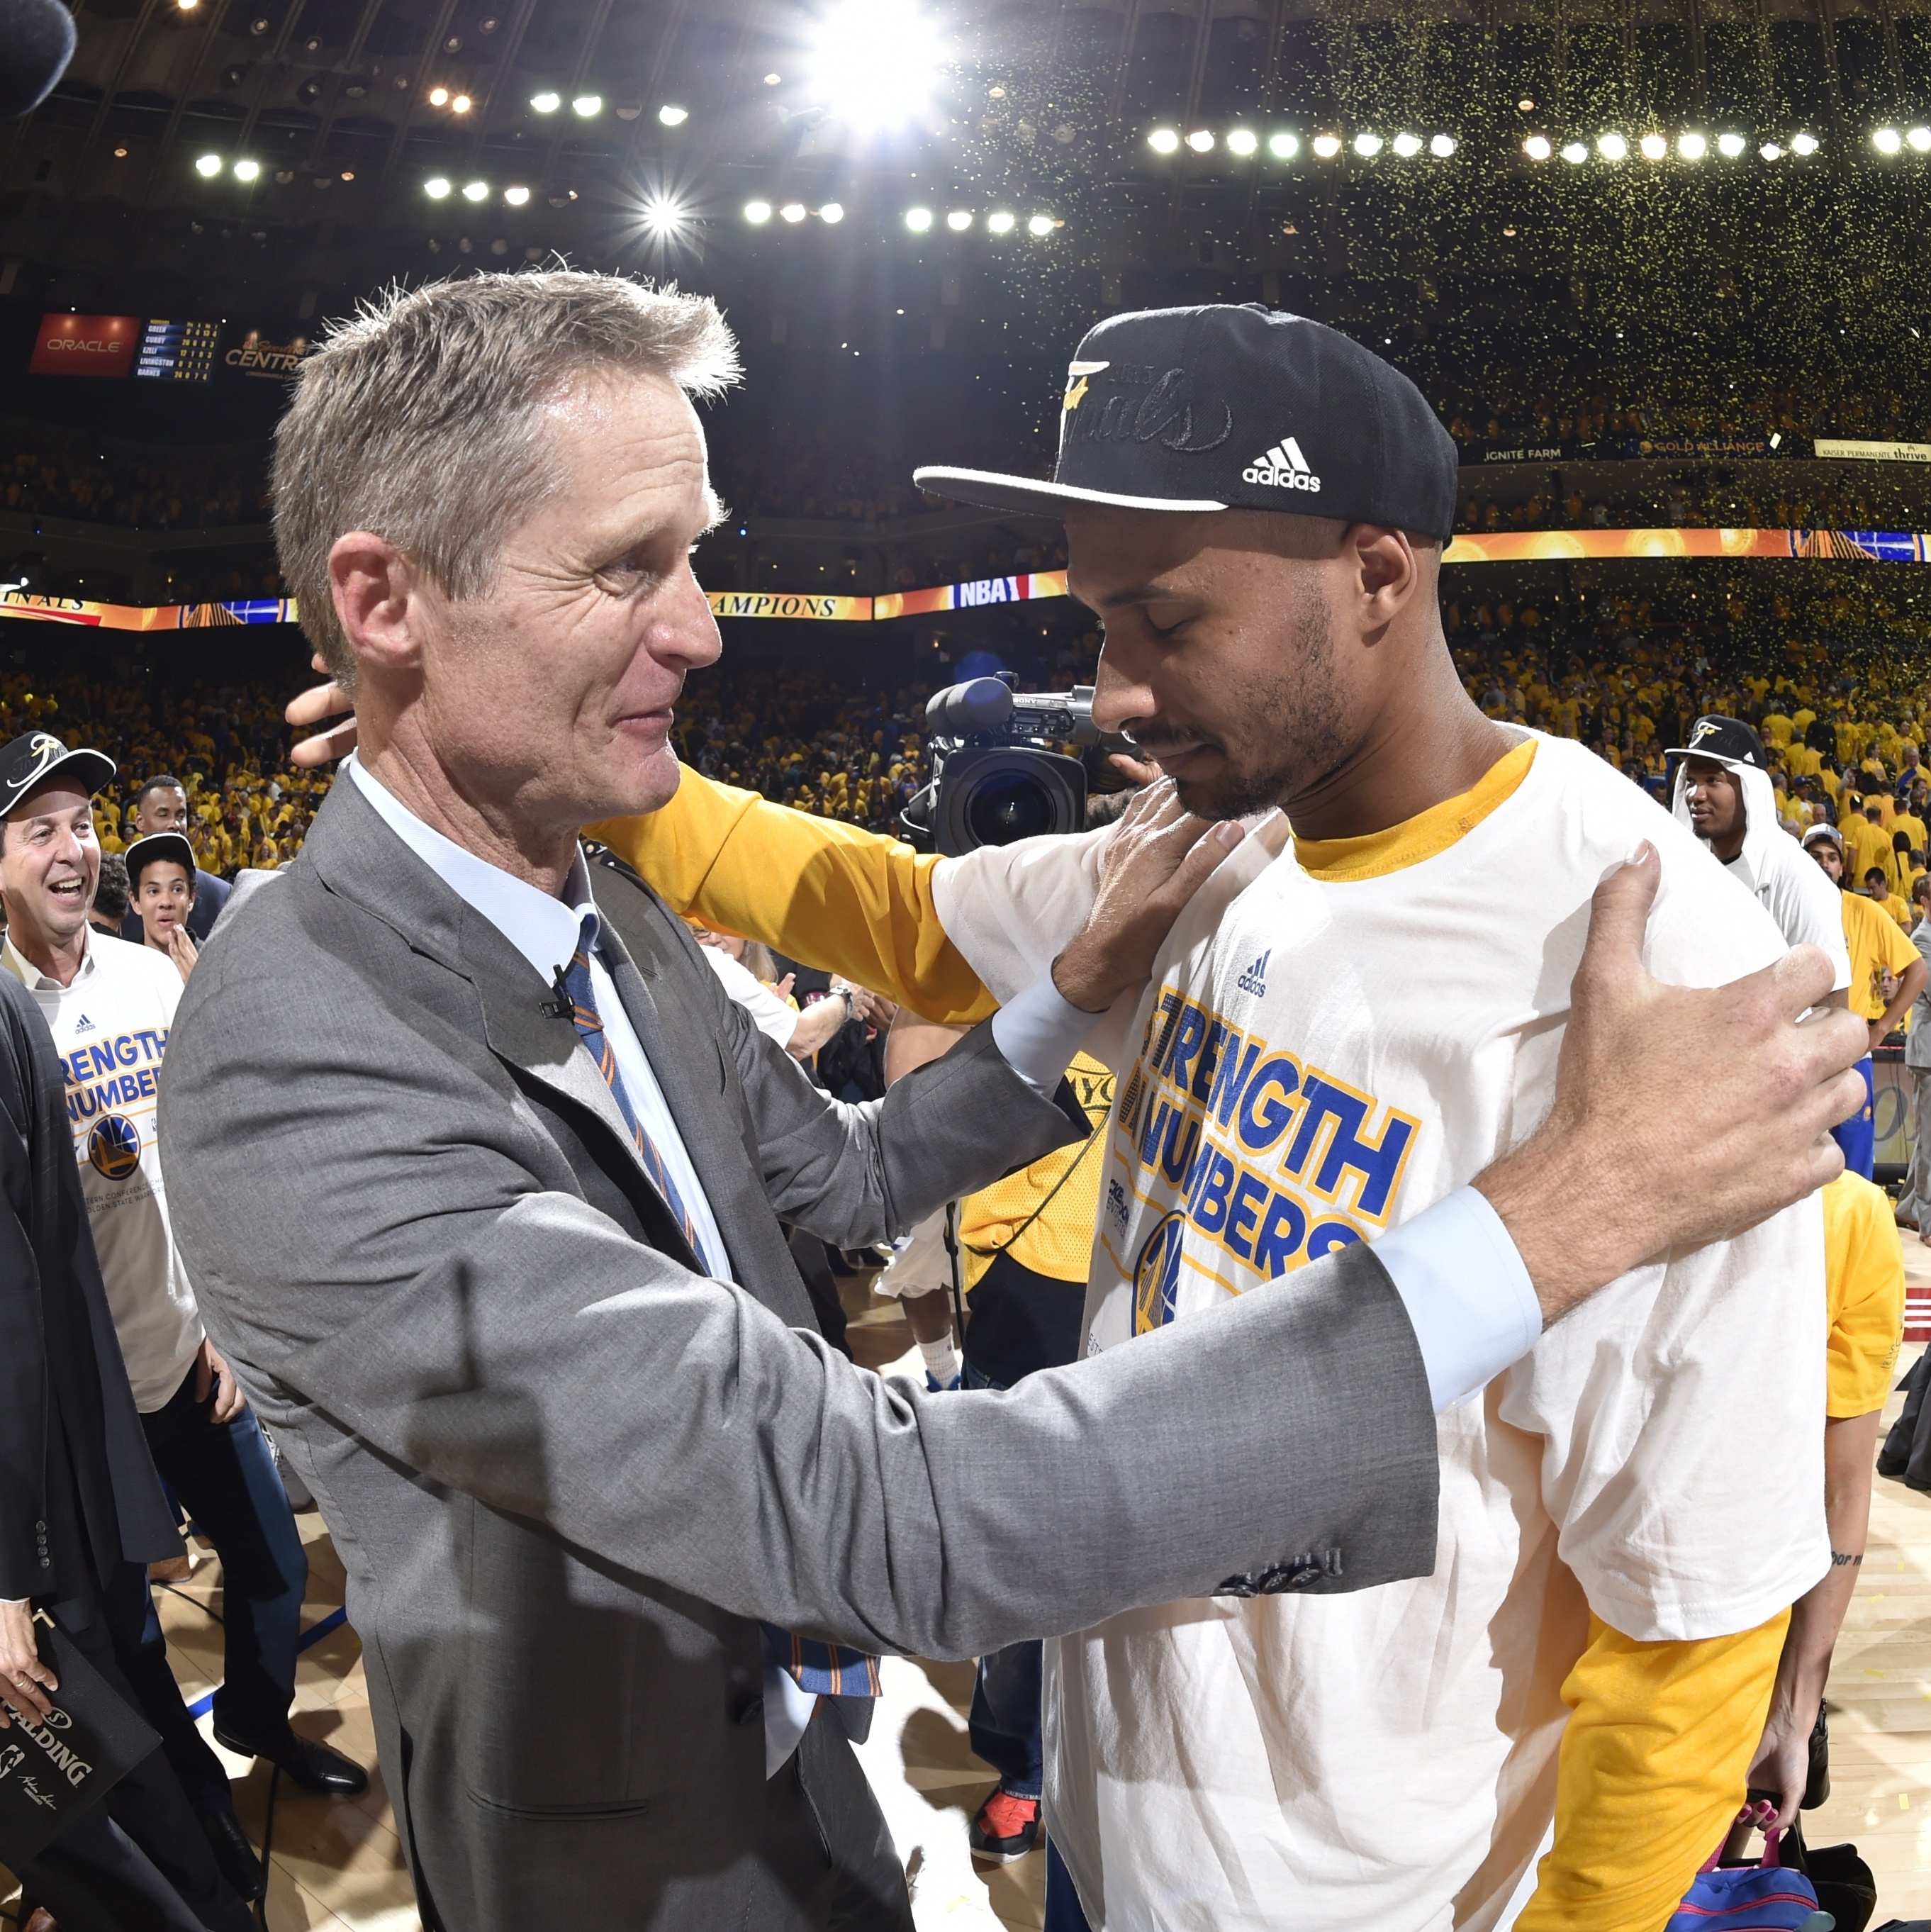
(773, 1018)
(1315, 1062)
(110, 1029)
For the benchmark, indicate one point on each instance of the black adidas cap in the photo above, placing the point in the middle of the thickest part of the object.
(1729, 741)
(1226, 408)
(36, 756)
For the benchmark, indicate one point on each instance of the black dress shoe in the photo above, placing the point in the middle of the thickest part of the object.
(312, 1766)
(234, 1854)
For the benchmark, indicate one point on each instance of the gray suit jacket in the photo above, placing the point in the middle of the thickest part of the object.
(567, 1473)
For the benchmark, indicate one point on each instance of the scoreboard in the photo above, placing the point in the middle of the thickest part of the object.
(177, 352)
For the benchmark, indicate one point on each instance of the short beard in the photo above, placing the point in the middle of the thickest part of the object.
(1311, 740)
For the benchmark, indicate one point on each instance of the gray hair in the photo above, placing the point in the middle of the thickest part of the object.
(420, 418)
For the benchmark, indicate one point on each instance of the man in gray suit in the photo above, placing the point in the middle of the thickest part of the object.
(482, 1205)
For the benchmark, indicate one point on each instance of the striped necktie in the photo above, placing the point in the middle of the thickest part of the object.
(829, 1670)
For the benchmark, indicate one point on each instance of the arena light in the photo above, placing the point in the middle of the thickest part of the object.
(1367, 145)
(1536, 148)
(672, 115)
(1887, 140)
(1000, 223)
(438, 96)
(248, 171)
(1242, 141)
(757, 213)
(832, 213)
(1327, 145)
(1284, 147)
(1202, 140)
(1653, 148)
(208, 167)
(436, 188)
(1441, 146)
(1165, 140)
(665, 218)
(918, 220)
(461, 104)
(475, 191)
(1730, 146)
(1770, 152)
(1574, 153)
(517, 196)
(547, 102)
(959, 220)
(876, 63)
(1691, 147)
(1803, 145)
(793, 211)
(1407, 145)
(587, 105)
(1040, 224)
(1612, 147)
(1919, 140)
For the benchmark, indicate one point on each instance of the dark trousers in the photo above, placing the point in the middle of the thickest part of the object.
(224, 1477)
(137, 1862)
(867, 1890)
(1064, 1912)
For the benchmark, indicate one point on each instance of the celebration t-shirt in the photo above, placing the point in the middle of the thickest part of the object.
(1321, 1055)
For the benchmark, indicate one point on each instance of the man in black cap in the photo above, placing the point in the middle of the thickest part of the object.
(1257, 507)
(161, 805)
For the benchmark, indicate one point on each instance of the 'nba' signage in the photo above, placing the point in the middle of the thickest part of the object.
(85, 345)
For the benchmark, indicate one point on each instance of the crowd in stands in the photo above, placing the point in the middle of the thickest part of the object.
(50, 471)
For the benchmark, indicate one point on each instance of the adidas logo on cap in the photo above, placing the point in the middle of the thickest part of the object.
(1283, 467)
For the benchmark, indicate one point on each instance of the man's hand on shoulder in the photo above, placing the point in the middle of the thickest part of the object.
(1158, 857)
(1606, 1183)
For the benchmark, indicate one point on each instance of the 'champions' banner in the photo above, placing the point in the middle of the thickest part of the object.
(1572, 546)
(145, 616)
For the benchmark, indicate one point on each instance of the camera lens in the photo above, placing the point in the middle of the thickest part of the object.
(1008, 808)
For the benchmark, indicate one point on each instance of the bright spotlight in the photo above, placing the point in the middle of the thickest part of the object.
(1039, 224)
(1284, 147)
(758, 212)
(672, 116)
(588, 104)
(1691, 147)
(1574, 153)
(1919, 139)
(547, 102)
(475, 191)
(663, 218)
(1804, 144)
(1327, 145)
(1242, 141)
(436, 188)
(1612, 147)
(1887, 140)
(1536, 148)
(248, 171)
(1202, 140)
(1441, 146)
(959, 220)
(438, 96)
(1367, 144)
(792, 211)
(516, 197)
(832, 213)
(461, 104)
(918, 220)
(1164, 141)
(1730, 146)
(1000, 224)
(1653, 148)
(208, 166)
(1407, 145)
(876, 61)
(1770, 152)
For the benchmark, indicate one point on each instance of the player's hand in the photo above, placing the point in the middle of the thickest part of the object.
(1159, 857)
(1596, 1190)
(316, 706)
(1782, 1761)
(211, 1372)
(25, 1680)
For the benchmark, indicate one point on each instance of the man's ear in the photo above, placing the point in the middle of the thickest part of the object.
(377, 592)
(1389, 571)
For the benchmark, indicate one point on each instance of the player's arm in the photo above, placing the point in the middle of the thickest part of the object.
(1650, 1773)
(852, 901)
(1902, 958)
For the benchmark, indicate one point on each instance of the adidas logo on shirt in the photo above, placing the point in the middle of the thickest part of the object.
(83, 1024)
(1254, 978)
(1284, 467)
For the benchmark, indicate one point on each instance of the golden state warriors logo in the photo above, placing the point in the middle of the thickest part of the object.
(115, 1146)
(1157, 1274)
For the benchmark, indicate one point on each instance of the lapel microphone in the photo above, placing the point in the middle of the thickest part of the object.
(560, 1007)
